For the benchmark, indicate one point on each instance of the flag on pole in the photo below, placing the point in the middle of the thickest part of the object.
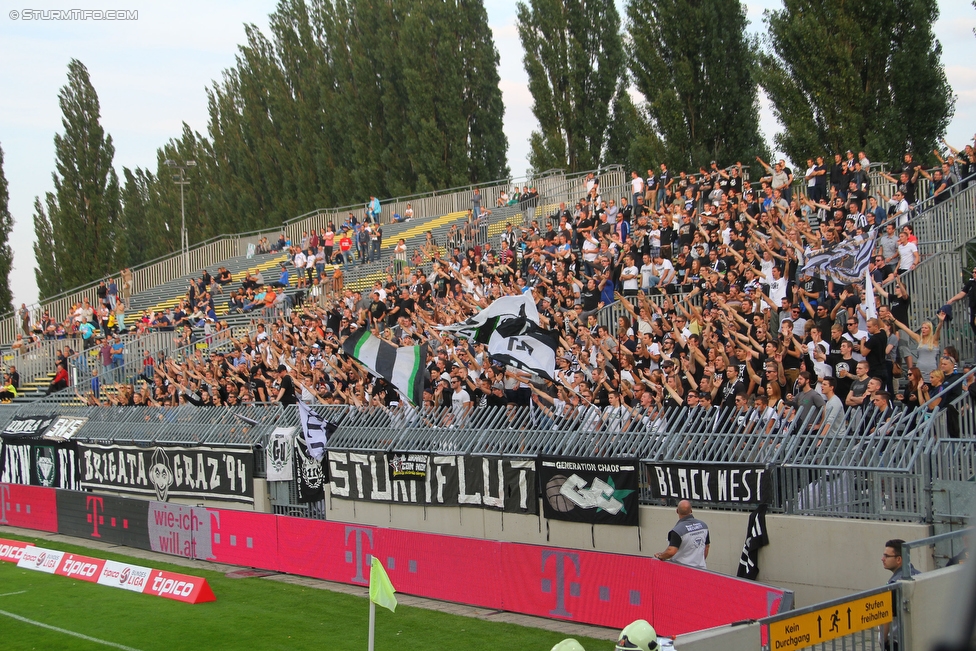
(402, 367)
(316, 429)
(380, 588)
(870, 304)
(844, 263)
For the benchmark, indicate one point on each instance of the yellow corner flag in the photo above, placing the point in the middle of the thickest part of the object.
(380, 589)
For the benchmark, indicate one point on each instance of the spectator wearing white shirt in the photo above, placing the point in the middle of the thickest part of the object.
(907, 254)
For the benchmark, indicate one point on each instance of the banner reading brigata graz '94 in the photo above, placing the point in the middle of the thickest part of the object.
(596, 491)
(162, 472)
(451, 480)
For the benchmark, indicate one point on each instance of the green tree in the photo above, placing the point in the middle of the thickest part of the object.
(574, 59)
(859, 75)
(693, 64)
(631, 141)
(6, 254)
(75, 233)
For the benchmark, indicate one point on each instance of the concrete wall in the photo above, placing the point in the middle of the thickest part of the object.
(931, 598)
(817, 558)
(746, 637)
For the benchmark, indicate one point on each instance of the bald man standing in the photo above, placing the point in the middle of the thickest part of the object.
(688, 541)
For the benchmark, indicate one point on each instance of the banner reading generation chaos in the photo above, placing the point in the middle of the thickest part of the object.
(450, 480)
(162, 472)
(596, 491)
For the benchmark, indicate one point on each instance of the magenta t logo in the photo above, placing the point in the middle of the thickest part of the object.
(574, 586)
(358, 532)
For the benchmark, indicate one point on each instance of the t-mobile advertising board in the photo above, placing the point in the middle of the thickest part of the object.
(582, 586)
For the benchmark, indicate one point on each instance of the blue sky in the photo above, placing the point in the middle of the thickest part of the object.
(151, 74)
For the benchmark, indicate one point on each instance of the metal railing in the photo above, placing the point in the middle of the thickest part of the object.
(963, 536)
(869, 639)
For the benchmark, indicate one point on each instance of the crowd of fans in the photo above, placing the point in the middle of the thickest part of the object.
(706, 267)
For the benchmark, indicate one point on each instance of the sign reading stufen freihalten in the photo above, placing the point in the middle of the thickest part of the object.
(596, 491)
(223, 473)
(450, 480)
(719, 483)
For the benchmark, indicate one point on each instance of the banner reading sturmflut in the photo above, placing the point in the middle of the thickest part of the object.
(596, 491)
(497, 483)
(159, 473)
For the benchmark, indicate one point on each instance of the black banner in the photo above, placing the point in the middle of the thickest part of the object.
(27, 426)
(38, 462)
(115, 520)
(408, 466)
(309, 475)
(596, 491)
(159, 473)
(704, 482)
(496, 483)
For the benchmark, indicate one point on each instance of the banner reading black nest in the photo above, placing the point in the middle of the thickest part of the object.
(595, 491)
(709, 482)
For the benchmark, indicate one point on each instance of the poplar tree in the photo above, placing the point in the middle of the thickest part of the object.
(856, 75)
(574, 59)
(6, 254)
(75, 227)
(693, 63)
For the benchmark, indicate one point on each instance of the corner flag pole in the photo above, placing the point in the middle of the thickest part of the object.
(372, 622)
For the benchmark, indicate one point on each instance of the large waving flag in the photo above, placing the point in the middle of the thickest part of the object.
(522, 344)
(510, 328)
(402, 367)
(844, 263)
(506, 307)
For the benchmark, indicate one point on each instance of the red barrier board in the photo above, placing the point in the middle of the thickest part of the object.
(181, 587)
(170, 585)
(242, 538)
(580, 586)
(11, 551)
(82, 568)
(31, 507)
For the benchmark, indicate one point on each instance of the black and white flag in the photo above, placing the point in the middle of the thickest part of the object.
(756, 537)
(278, 454)
(309, 475)
(316, 430)
(844, 263)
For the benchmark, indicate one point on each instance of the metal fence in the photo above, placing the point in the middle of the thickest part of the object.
(791, 630)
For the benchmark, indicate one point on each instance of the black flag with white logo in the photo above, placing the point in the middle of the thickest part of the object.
(596, 491)
(309, 474)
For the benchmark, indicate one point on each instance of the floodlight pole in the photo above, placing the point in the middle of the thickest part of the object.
(181, 180)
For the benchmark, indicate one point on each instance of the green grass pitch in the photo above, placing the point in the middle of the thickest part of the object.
(249, 613)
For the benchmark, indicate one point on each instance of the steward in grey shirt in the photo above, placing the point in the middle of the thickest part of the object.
(688, 541)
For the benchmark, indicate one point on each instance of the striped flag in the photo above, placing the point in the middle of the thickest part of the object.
(402, 367)
(316, 430)
(844, 263)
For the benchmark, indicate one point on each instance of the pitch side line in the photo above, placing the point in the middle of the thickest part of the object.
(10, 594)
(63, 630)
